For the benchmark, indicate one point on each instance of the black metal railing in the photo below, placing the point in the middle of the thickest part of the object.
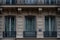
(30, 34)
(50, 33)
(9, 34)
(30, 2)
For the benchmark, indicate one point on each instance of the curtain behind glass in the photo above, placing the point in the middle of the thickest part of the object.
(13, 24)
(46, 23)
(50, 26)
(30, 26)
(10, 26)
(7, 22)
(30, 23)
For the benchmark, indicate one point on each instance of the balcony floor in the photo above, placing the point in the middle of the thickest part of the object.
(30, 6)
(29, 39)
(39, 39)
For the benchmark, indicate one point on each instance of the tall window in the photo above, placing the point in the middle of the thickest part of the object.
(30, 26)
(46, 1)
(58, 2)
(50, 2)
(30, 1)
(10, 26)
(1, 1)
(50, 26)
(53, 1)
(10, 1)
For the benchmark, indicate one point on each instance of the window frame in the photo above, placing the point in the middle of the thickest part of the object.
(51, 32)
(10, 32)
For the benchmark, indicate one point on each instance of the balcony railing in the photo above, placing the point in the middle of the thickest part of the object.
(30, 2)
(50, 34)
(9, 34)
(30, 34)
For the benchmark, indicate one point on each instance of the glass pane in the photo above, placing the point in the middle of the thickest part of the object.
(13, 24)
(6, 23)
(46, 23)
(9, 26)
(34, 1)
(13, 1)
(46, 1)
(1, 1)
(30, 23)
(53, 26)
(53, 1)
(58, 1)
(30, 1)
(50, 23)
(7, 1)
(30, 26)
(50, 27)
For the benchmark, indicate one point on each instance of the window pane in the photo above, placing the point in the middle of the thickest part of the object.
(46, 23)
(7, 1)
(30, 23)
(53, 1)
(13, 1)
(30, 1)
(46, 1)
(6, 24)
(58, 1)
(13, 24)
(30, 26)
(9, 26)
(50, 27)
(53, 26)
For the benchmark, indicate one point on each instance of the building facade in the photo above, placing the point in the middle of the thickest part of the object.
(29, 19)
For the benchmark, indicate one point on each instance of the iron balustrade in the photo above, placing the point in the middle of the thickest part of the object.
(9, 34)
(29, 34)
(30, 2)
(50, 33)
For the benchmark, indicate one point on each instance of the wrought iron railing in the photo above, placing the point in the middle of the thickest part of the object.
(50, 33)
(30, 34)
(9, 34)
(30, 2)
